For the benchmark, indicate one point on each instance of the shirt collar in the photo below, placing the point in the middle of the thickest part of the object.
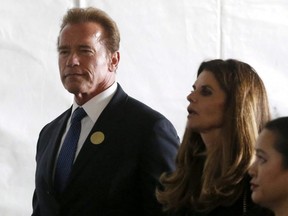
(97, 104)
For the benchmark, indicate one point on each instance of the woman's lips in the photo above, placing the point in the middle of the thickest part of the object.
(192, 111)
(253, 186)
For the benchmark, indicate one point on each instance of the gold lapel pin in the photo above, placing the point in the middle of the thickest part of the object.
(97, 137)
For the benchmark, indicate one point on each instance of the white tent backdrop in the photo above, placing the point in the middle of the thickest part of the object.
(162, 44)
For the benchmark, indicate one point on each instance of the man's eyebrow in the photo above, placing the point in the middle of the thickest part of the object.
(67, 47)
(85, 46)
(62, 47)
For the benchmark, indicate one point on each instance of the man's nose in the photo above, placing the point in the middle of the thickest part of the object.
(73, 60)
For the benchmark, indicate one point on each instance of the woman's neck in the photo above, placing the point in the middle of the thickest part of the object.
(211, 138)
(281, 210)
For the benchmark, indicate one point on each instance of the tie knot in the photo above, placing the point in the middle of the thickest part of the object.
(78, 114)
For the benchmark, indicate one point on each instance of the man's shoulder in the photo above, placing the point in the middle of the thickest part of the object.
(140, 108)
(135, 107)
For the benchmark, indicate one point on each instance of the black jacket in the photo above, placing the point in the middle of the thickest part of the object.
(115, 177)
(237, 209)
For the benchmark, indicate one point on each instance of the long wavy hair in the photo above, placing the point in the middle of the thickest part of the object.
(205, 181)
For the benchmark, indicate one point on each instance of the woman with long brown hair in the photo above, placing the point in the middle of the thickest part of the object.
(227, 109)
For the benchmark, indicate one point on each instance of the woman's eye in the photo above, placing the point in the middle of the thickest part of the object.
(206, 92)
(260, 159)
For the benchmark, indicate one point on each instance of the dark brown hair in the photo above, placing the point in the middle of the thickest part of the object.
(279, 126)
(111, 35)
(204, 181)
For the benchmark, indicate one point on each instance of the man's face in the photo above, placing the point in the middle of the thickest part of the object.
(86, 68)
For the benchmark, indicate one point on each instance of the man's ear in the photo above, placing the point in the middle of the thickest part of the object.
(114, 61)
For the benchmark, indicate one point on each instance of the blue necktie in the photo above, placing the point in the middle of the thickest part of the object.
(68, 150)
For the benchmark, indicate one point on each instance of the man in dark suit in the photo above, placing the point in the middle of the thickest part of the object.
(122, 146)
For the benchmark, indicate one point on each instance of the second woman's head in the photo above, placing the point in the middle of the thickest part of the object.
(227, 94)
(269, 171)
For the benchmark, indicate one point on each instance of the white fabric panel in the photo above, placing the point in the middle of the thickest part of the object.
(162, 44)
(31, 93)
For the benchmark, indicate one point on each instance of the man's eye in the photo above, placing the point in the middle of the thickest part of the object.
(63, 52)
(86, 51)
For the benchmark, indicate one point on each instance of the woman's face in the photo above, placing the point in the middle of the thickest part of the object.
(207, 104)
(269, 178)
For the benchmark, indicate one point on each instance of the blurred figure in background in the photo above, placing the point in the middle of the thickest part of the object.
(269, 172)
(227, 109)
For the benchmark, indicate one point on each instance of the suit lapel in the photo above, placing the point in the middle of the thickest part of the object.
(106, 124)
(53, 145)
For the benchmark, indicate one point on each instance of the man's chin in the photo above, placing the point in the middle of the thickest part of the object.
(73, 90)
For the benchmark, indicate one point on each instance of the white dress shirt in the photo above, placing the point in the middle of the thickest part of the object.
(93, 108)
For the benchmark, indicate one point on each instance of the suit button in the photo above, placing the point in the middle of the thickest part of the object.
(48, 192)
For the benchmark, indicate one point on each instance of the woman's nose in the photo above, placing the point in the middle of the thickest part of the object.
(191, 97)
(252, 169)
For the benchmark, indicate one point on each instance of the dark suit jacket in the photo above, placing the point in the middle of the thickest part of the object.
(116, 177)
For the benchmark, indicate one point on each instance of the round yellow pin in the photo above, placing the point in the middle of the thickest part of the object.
(97, 137)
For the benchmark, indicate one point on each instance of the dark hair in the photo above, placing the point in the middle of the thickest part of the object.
(111, 35)
(280, 127)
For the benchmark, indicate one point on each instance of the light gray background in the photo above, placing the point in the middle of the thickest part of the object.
(162, 44)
